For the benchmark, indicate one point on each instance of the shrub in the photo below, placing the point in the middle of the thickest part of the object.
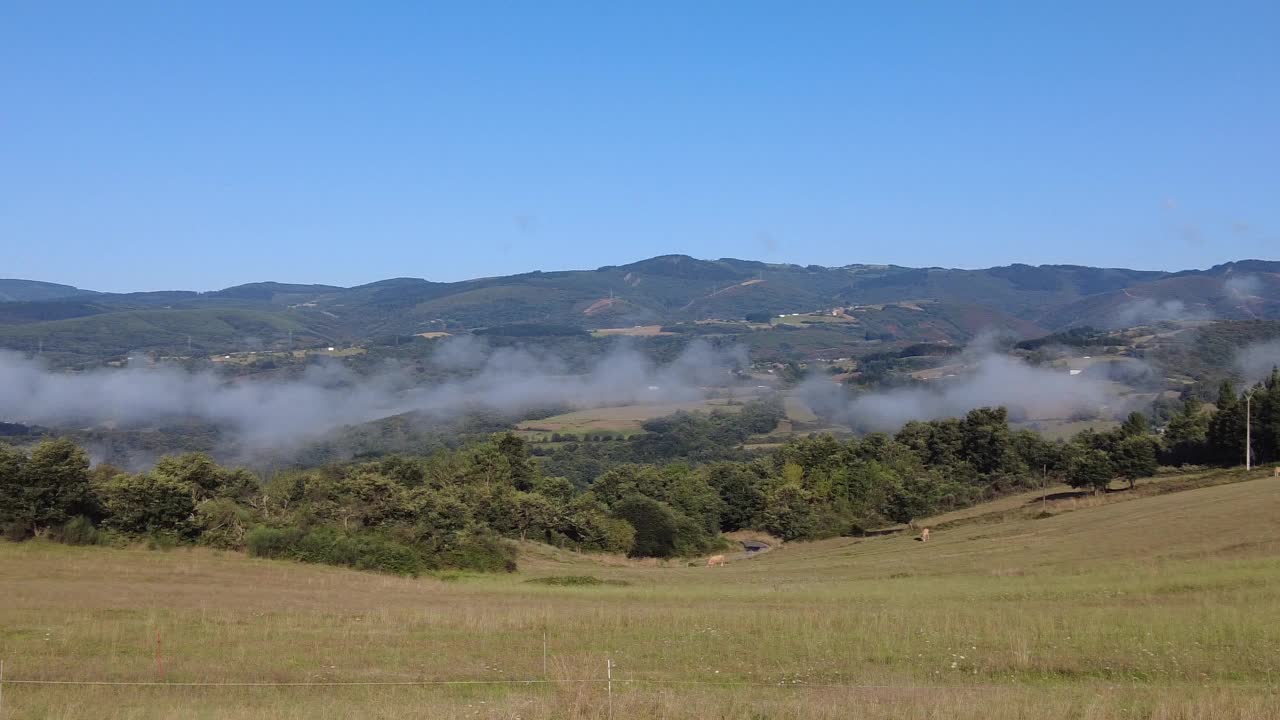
(482, 553)
(329, 546)
(79, 530)
(654, 523)
(574, 581)
(146, 504)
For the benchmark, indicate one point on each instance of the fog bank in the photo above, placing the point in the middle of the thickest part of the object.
(272, 414)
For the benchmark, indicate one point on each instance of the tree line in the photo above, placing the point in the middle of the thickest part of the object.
(672, 491)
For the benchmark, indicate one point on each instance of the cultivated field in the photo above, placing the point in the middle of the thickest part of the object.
(1161, 606)
(620, 419)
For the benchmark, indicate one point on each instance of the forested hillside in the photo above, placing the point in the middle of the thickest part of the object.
(871, 301)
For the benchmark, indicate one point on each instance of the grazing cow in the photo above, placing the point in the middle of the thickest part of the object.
(924, 535)
(715, 561)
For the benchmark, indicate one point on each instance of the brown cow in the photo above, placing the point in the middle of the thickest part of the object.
(715, 561)
(924, 535)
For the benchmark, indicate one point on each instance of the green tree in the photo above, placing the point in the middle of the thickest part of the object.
(532, 513)
(1134, 457)
(1225, 435)
(914, 496)
(1184, 438)
(739, 488)
(12, 518)
(1135, 424)
(47, 489)
(987, 442)
(654, 523)
(1090, 468)
(1266, 418)
(523, 470)
(148, 503)
(789, 512)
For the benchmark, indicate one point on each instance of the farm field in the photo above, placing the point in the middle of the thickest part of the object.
(1155, 607)
(620, 419)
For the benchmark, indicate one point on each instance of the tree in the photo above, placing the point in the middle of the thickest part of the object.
(533, 513)
(12, 518)
(1090, 468)
(523, 471)
(1266, 418)
(739, 489)
(914, 496)
(51, 487)
(1225, 435)
(987, 443)
(788, 512)
(1135, 424)
(1184, 438)
(196, 471)
(1134, 457)
(654, 524)
(148, 503)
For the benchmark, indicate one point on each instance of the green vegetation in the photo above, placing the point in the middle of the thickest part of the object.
(667, 492)
(883, 303)
(1112, 608)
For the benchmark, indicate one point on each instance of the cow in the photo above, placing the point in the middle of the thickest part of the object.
(715, 561)
(924, 535)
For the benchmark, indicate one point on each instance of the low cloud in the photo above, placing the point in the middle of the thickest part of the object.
(1144, 311)
(993, 380)
(1256, 361)
(277, 414)
(1242, 286)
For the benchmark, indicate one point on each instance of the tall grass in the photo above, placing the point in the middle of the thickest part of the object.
(1156, 608)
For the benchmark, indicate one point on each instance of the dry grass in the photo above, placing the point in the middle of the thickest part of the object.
(621, 419)
(1161, 607)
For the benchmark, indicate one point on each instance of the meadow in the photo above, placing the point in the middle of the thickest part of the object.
(1157, 604)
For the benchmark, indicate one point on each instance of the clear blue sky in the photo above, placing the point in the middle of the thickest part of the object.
(199, 145)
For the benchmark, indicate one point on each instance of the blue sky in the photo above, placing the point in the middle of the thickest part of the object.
(200, 145)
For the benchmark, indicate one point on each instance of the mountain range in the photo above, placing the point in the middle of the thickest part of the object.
(886, 301)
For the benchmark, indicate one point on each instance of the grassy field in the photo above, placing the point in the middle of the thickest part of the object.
(621, 419)
(1157, 606)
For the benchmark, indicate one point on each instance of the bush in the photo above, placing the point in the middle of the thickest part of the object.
(575, 581)
(654, 523)
(332, 547)
(16, 531)
(482, 553)
(79, 530)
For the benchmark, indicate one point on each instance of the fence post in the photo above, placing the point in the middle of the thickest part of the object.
(1, 688)
(544, 651)
(609, 669)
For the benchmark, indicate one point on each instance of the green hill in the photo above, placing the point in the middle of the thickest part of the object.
(882, 302)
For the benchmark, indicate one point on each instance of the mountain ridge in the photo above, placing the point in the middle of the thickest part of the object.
(882, 301)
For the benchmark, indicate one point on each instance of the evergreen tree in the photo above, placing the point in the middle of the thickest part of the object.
(1225, 436)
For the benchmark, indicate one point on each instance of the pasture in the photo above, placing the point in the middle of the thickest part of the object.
(1158, 604)
(623, 419)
